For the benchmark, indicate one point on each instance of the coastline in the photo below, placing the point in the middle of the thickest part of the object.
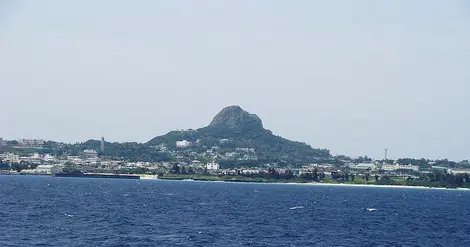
(386, 186)
(315, 184)
(149, 177)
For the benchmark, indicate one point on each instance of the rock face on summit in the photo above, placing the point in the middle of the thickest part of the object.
(234, 117)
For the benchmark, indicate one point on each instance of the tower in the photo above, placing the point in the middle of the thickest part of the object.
(386, 150)
(102, 145)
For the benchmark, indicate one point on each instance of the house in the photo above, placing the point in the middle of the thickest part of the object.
(459, 171)
(42, 169)
(212, 166)
(11, 158)
(49, 158)
(362, 166)
(223, 141)
(91, 157)
(182, 144)
(396, 167)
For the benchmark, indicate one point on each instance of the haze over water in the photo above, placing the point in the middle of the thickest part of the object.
(53, 211)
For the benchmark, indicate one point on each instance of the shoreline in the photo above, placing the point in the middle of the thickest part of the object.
(318, 184)
(147, 177)
(387, 186)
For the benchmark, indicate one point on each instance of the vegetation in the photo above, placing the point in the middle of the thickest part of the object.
(138, 170)
(268, 147)
(131, 151)
(436, 178)
(16, 166)
(70, 168)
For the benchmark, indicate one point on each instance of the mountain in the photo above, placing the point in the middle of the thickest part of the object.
(234, 128)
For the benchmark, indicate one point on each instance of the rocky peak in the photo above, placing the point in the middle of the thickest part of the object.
(234, 117)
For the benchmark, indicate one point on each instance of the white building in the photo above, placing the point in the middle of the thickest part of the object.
(250, 171)
(162, 147)
(75, 160)
(223, 141)
(35, 158)
(182, 144)
(91, 156)
(247, 150)
(399, 167)
(49, 158)
(12, 158)
(460, 171)
(212, 166)
(30, 142)
(42, 169)
(362, 166)
(90, 153)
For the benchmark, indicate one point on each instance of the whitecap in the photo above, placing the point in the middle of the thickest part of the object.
(296, 207)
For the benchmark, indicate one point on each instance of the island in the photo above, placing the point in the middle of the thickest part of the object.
(234, 147)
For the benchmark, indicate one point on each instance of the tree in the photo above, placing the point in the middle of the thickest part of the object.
(4, 165)
(190, 170)
(384, 180)
(466, 178)
(71, 168)
(175, 169)
(306, 176)
(288, 174)
(315, 174)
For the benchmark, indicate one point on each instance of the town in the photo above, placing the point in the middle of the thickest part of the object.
(206, 163)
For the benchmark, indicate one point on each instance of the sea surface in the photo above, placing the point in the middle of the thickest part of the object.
(51, 211)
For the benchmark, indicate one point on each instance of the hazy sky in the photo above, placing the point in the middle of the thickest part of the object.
(351, 76)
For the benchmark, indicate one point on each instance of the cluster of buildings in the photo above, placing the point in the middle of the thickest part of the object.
(24, 143)
(189, 160)
(376, 167)
(31, 143)
(34, 158)
(184, 153)
(89, 161)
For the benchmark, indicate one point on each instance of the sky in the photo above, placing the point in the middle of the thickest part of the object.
(354, 77)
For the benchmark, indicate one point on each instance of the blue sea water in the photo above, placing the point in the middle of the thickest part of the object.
(51, 211)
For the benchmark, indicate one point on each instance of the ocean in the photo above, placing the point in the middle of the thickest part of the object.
(52, 211)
